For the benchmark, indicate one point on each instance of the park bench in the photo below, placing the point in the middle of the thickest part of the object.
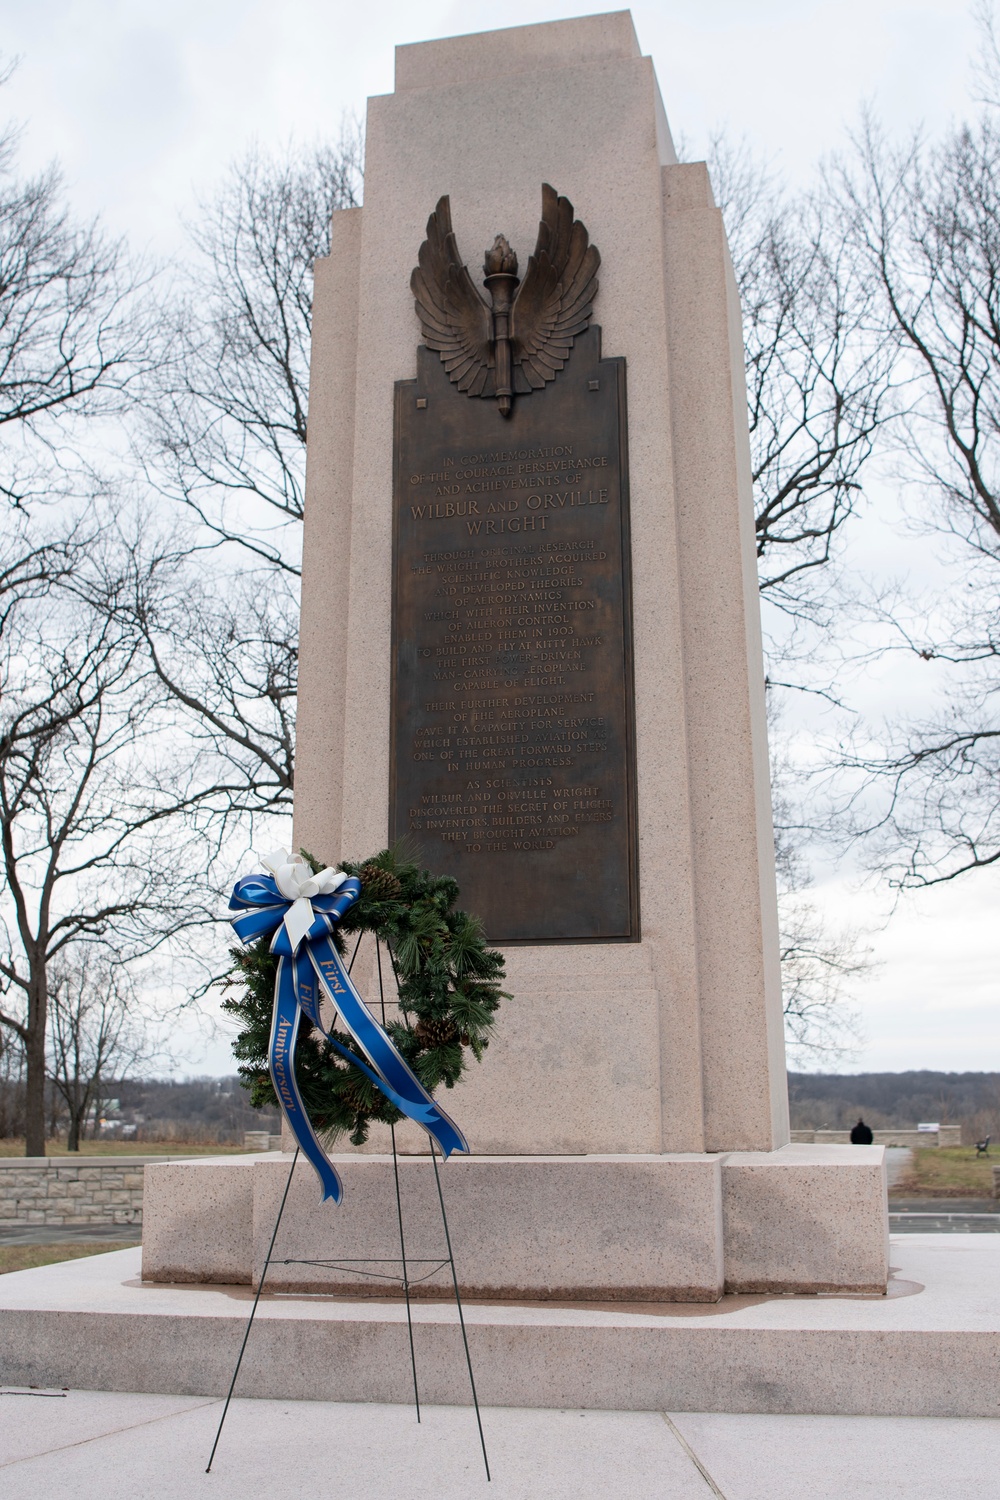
(983, 1147)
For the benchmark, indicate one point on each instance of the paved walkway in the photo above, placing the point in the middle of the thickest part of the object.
(898, 1160)
(92, 1445)
(944, 1216)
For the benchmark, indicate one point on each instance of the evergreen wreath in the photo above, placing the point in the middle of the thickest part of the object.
(448, 983)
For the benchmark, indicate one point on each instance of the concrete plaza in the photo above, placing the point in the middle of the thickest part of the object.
(929, 1349)
(90, 1445)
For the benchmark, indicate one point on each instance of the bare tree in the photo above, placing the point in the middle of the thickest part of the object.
(146, 704)
(986, 60)
(11, 1085)
(819, 371)
(228, 435)
(928, 220)
(95, 1033)
(822, 965)
(73, 334)
(228, 660)
(33, 559)
(88, 795)
(226, 443)
(819, 971)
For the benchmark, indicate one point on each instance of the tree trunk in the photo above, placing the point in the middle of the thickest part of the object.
(34, 1093)
(76, 1099)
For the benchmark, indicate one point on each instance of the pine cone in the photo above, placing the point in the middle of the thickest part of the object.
(378, 884)
(351, 1096)
(436, 1033)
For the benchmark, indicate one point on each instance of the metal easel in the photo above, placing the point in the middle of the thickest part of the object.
(405, 1279)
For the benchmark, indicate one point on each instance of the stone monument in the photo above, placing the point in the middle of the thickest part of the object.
(531, 649)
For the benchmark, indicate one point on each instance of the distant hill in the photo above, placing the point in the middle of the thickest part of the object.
(192, 1109)
(218, 1109)
(835, 1100)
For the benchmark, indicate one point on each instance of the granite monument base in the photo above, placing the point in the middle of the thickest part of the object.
(599, 1228)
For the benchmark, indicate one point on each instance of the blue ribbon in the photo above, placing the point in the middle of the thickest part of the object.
(306, 970)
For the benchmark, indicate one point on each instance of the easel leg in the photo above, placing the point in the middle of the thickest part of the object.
(458, 1304)
(399, 1210)
(253, 1310)
(406, 1279)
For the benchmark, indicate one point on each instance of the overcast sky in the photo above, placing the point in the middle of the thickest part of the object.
(145, 103)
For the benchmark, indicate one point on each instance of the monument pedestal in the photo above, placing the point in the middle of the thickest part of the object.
(608, 1228)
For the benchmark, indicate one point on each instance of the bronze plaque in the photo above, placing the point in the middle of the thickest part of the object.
(512, 714)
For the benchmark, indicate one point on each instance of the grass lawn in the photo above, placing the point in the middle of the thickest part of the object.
(24, 1257)
(948, 1172)
(14, 1147)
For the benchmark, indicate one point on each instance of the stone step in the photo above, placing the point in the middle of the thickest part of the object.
(659, 1227)
(928, 1349)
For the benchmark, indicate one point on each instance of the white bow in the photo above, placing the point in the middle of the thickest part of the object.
(297, 883)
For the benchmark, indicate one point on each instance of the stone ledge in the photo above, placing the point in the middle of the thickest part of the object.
(599, 1227)
(928, 1349)
(806, 1219)
(662, 1228)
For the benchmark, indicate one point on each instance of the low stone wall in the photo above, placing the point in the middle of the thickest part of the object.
(261, 1140)
(59, 1190)
(948, 1135)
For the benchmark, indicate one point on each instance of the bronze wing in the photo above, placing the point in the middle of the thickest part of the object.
(453, 316)
(555, 300)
